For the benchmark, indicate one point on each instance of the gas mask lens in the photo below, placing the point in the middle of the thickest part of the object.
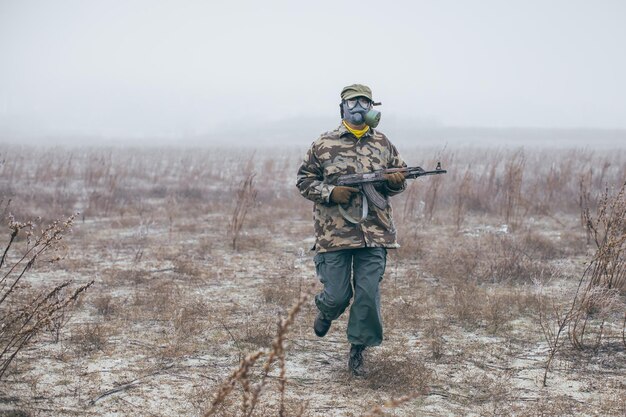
(363, 102)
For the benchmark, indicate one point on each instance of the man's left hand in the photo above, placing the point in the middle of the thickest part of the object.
(395, 179)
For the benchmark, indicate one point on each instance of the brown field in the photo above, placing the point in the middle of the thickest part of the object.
(511, 260)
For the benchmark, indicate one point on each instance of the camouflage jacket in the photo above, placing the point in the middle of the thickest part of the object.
(336, 153)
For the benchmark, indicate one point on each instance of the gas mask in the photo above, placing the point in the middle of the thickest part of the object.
(358, 110)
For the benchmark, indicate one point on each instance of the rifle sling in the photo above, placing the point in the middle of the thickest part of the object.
(364, 211)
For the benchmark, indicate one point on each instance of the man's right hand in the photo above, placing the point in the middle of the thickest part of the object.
(341, 194)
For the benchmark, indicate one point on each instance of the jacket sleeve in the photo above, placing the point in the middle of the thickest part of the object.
(310, 180)
(395, 161)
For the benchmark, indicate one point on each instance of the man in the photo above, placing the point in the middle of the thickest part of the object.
(351, 254)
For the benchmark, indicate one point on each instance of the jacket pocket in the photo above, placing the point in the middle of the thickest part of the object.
(385, 219)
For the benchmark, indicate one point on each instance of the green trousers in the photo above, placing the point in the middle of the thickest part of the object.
(349, 272)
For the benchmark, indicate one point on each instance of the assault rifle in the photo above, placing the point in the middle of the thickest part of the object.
(366, 182)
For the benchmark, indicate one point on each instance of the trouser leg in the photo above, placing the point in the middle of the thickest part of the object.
(365, 324)
(334, 270)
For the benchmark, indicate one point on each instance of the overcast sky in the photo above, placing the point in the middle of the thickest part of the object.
(176, 68)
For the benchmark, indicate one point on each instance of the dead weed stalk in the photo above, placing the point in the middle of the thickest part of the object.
(513, 181)
(252, 391)
(246, 199)
(553, 327)
(463, 195)
(602, 297)
(24, 313)
(599, 297)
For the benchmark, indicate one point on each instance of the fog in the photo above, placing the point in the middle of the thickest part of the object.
(203, 72)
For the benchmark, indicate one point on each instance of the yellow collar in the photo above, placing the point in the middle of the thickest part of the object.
(358, 133)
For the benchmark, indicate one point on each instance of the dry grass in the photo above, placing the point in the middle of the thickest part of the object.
(398, 370)
(490, 251)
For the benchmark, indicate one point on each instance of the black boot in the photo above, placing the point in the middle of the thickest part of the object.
(355, 362)
(321, 325)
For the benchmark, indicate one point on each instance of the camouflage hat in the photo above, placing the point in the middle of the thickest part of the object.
(356, 90)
